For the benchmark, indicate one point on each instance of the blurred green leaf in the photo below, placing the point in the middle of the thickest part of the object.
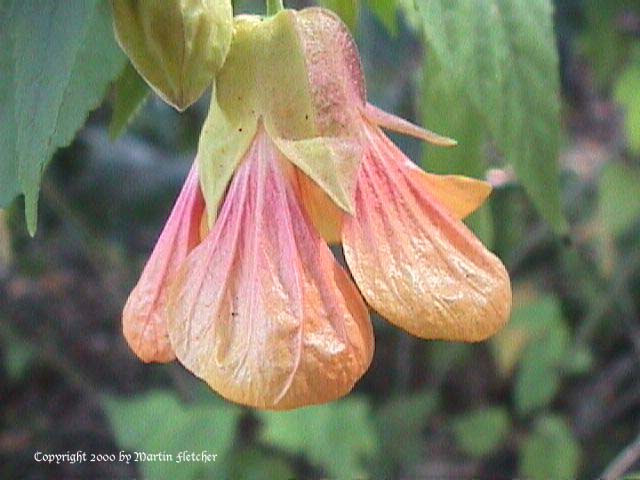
(505, 82)
(253, 464)
(627, 94)
(131, 91)
(340, 436)
(387, 12)
(64, 58)
(550, 451)
(457, 119)
(579, 362)
(9, 184)
(537, 339)
(400, 422)
(159, 422)
(481, 432)
(536, 385)
(445, 356)
(619, 199)
(347, 10)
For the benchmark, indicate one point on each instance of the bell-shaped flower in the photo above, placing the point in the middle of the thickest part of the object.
(292, 157)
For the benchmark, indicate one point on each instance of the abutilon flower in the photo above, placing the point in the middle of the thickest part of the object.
(242, 287)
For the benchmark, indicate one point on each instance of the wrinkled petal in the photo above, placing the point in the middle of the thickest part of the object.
(416, 264)
(261, 310)
(144, 316)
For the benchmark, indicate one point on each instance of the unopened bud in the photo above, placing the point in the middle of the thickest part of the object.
(176, 45)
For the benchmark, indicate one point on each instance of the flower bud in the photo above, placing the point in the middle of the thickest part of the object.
(176, 45)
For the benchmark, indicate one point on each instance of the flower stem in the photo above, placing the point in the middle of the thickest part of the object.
(274, 6)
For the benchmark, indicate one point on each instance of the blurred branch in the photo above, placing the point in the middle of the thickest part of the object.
(623, 462)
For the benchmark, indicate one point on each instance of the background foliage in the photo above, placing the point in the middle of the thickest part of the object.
(544, 99)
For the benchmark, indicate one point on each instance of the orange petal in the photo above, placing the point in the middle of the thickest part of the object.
(144, 316)
(416, 264)
(261, 310)
(323, 212)
(460, 195)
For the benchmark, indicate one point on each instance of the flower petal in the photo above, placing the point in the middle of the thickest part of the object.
(416, 264)
(144, 316)
(460, 195)
(261, 310)
(323, 212)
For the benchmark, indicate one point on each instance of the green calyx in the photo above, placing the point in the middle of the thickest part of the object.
(277, 73)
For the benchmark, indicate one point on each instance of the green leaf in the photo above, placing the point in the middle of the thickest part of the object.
(627, 94)
(457, 119)
(347, 10)
(537, 338)
(339, 436)
(9, 185)
(158, 422)
(131, 92)
(551, 451)
(536, 385)
(481, 432)
(619, 200)
(64, 57)
(400, 422)
(499, 60)
(387, 12)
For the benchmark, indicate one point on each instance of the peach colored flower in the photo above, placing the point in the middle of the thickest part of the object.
(291, 157)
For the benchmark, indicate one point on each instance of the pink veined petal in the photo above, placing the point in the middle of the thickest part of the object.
(261, 310)
(415, 263)
(144, 316)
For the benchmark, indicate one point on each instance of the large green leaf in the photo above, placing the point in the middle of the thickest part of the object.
(339, 436)
(158, 422)
(131, 91)
(446, 112)
(61, 58)
(500, 63)
(9, 185)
